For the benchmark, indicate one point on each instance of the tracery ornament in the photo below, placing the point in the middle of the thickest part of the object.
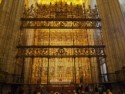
(64, 51)
(60, 15)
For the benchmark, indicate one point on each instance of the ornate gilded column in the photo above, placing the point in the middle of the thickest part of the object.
(113, 32)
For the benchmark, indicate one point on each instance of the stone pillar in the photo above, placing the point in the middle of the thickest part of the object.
(113, 33)
(11, 12)
(4, 16)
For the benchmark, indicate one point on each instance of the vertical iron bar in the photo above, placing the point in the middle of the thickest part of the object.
(48, 73)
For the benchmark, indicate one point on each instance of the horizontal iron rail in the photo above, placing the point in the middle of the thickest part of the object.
(60, 19)
(65, 46)
(59, 27)
(61, 56)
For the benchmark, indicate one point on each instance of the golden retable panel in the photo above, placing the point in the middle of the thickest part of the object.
(61, 70)
(70, 68)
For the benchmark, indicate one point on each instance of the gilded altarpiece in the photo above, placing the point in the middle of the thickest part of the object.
(66, 43)
(62, 70)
